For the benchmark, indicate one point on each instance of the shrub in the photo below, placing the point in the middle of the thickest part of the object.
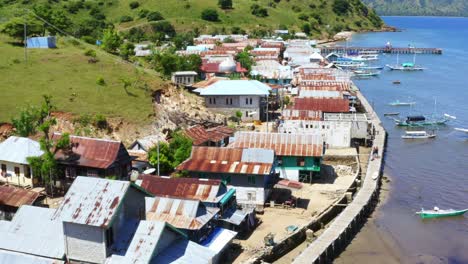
(100, 121)
(90, 53)
(143, 13)
(341, 7)
(258, 11)
(154, 16)
(225, 4)
(164, 27)
(134, 4)
(303, 17)
(296, 9)
(125, 19)
(209, 14)
(100, 81)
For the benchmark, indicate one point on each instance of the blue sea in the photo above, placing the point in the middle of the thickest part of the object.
(424, 173)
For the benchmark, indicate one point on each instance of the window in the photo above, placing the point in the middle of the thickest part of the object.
(210, 100)
(214, 100)
(300, 162)
(246, 100)
(4, 169)
(251, 100)
(17, 171)
(227, 101)
(246, 113)
(251, 180)
(230, 100)
(92, 173)
(27, 171)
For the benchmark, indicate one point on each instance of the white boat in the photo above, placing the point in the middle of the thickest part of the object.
(399, 103)
(465, 130)
(406, 66)
(417, 135)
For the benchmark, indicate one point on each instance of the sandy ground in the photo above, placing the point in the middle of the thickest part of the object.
(314, 199)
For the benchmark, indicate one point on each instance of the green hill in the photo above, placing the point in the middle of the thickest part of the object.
(420, 7)
(66, 74)
(185, 15)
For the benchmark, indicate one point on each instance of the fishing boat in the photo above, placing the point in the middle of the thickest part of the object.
(396, 82)
(392, 114)
(371, 68)
(436, 212)
(365, 73)
(406, 66)
(418, 135)
(347, 64)
(420, 121)
(465, 130)
(400, 103)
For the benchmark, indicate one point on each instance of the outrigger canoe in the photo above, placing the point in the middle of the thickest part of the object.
(436, 212)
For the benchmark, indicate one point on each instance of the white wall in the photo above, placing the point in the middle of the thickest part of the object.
(84, 243)
(336, 134)
(10, 176)
(258, 196)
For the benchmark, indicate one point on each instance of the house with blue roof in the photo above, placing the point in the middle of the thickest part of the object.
(230, 96)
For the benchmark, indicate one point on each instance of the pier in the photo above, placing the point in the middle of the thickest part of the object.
(343, 228)
(390, 50)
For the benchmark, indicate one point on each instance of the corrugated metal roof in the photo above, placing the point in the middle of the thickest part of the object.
(330, 86)
(18, 149)
(229, 160)
(8, 257)
(300, 145)
(200, 135)
(33, 232)
(236, 87)
(92, 201)
(92, 152)
(208, 82)
(291, 114)
(181, 213)
(185, 252)
(219, 239)
(322, 104)
(319, 94)
(187, 188)
(16, 197)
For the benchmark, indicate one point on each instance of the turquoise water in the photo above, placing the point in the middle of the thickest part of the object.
(430, 172)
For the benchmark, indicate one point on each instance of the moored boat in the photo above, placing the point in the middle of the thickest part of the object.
(418, 135)
(400, 103)
(436, 212)
(465, 130)
(420, 120)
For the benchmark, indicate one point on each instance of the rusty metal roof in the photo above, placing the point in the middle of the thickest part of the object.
(204, 190)
(318, 86)
(200, 135)
(92, 201)
(16, 197)
(229, 160)
(299, 145)
(291, 114)
(330, 105)
(181, 213)
(92, 152)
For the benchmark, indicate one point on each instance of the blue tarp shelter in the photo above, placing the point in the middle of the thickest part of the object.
(41, 42)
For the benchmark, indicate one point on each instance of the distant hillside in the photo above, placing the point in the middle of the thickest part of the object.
(420, 7)
(186, 15)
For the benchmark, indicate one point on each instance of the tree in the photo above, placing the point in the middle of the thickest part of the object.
(225, 4)
(182, 40)
(15, 28)
(172, 154)
(126, 50)
(210, 14)
(258, 11)
(164, 27)
(111, 41)
(165, 158)
(245, 60)
(306, 28)
(134, 4)
(341, 7)
(154, 16)
(182, 147)
(26, 123)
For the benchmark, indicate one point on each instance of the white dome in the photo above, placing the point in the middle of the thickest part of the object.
(228, 65)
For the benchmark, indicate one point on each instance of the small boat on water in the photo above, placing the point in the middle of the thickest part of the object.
(371, 68)
(400, 103)
(396, 82)
(365, 73)
(418, 135)
(436, 212)
(465, 130)
(406, 66)
(392, 114)
(420, 121)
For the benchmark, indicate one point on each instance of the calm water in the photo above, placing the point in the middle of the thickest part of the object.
(432, 172)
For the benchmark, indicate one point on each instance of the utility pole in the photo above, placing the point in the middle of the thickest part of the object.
(157, 148)
(25, 43)
(267, 114)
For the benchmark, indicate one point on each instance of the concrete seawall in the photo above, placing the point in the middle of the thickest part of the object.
(343, 228)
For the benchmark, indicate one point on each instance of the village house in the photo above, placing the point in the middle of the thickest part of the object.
(222, 65)
(94, 158)
(185, 78)
(272, 72)
(139, 150)
(214, 137)
(249, 171)
(12, 198)
(329, 105)
(298, 155)
(14, 165)
(99, 218)
(159, 242)
(247, 96)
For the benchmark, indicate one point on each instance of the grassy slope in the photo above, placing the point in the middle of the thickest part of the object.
(65, 71)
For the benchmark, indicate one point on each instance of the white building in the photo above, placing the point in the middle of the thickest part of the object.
(186, 78)
(14, 165)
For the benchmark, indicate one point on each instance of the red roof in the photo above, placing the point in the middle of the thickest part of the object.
(291, 114)
(187, 188)
(340, 86)
(92, 152)
(200, 135)
(16, 197)
(223, 160)
(330, 105)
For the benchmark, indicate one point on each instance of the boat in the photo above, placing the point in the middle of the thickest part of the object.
(349, 64)
(436, 212)
(392, 114)
(365, 73)
(371, 68)
(406, 66)
(465, 130)
(420, 120)
(418, 135)
(399, 103)
(396, 82)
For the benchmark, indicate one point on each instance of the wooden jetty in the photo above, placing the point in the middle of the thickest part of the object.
(342, 230)
(390, 50)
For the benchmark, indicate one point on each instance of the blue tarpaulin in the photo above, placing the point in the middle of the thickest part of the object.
(41, 43)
